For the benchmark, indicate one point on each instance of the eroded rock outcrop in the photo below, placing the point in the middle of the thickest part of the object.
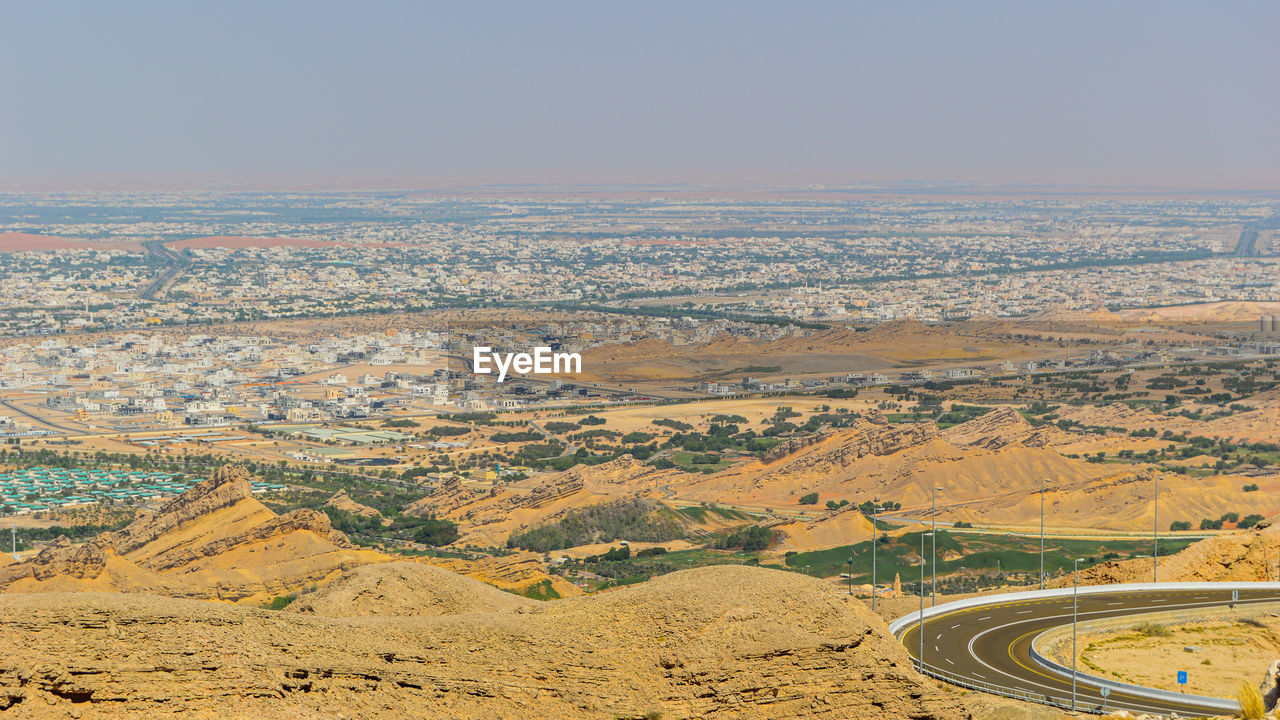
(847, 446)
(342, 501)
(214, 541)
(228, 486)
(1001, 427)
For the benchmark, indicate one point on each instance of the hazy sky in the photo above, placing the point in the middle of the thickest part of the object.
(430, 94)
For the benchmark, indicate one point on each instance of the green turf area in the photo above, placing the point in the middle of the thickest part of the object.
(978, 553)
(688, 461)
(703, 513)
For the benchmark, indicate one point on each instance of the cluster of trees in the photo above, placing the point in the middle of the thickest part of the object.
(637, 519)
(750, 539)
(1247, 521)
(522, 436)
(428, 531)
(475, 418)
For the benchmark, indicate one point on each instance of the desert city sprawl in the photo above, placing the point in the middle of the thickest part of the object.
(897, 396)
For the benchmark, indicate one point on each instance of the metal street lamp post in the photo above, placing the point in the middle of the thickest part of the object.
(1155, 531)
(1041, 533)
(1075, 604)
(874, 540)
(933, 543)
(922, 562)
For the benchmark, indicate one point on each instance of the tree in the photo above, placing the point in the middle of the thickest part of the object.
(436, 532)
(1249, 521)
(750, 539)
(809, 499)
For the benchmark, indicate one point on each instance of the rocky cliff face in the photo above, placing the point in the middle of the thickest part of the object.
(228, 486)
(290, 522)
(213, 541)
(1000, 427)
(62, 558)
(848, 446)
(342, 501)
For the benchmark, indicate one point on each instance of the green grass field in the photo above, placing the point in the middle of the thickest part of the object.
(978, 553)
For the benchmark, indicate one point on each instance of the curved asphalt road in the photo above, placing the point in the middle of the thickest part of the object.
(991, 644)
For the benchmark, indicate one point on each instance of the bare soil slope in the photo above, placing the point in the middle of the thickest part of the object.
(405, 589)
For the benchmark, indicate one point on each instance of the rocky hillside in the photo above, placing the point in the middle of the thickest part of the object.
(716, 642)
(1003, 426)
(213, 541)
(487, 519)
(342, 501)
(1242, 556)
(405, 589)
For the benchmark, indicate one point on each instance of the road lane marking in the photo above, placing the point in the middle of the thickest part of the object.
(1024, 612)
(1134, 702)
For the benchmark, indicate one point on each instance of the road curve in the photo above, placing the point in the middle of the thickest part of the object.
(989, 644)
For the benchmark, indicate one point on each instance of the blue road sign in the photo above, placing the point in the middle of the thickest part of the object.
(1182, 677)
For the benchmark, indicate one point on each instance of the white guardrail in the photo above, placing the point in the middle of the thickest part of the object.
(901, 624)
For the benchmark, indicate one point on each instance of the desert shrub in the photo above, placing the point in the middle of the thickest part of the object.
(1251, 705)
(281, 602)
(544, 590)
(1151, 629)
